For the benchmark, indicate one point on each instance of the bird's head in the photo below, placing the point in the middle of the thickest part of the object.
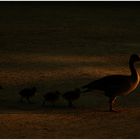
(134, 58)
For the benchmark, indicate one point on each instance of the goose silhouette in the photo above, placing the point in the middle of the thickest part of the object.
(117, 85)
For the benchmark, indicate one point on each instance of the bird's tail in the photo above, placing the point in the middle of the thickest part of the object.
(85, 88)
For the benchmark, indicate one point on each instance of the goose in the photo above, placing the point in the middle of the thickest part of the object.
(117, 85)
(71, 96)
(51, 97)
(27, 93)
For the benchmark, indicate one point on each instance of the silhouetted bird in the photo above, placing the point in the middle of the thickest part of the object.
(51, 97)
(117, 85)
(71, 96)
(1, 87)
(27, 93)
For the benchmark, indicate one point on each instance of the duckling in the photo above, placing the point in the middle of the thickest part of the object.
(71, 96)
(117, 85)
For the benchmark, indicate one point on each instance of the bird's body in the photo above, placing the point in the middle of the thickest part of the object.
(71, 96)
(117, 85)
(27, 93)
(51, 97)
(113, 85)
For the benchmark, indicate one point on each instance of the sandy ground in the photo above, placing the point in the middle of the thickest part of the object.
(78, 123)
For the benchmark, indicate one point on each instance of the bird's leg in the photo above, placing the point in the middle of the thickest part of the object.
(70, 103)
(111, 101)
(21, 99)
(28, 99)
(43, 104)
(53, 104)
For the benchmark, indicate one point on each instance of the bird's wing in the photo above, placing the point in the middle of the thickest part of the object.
(113, 82)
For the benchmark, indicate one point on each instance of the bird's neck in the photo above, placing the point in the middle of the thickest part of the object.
(134, 73)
